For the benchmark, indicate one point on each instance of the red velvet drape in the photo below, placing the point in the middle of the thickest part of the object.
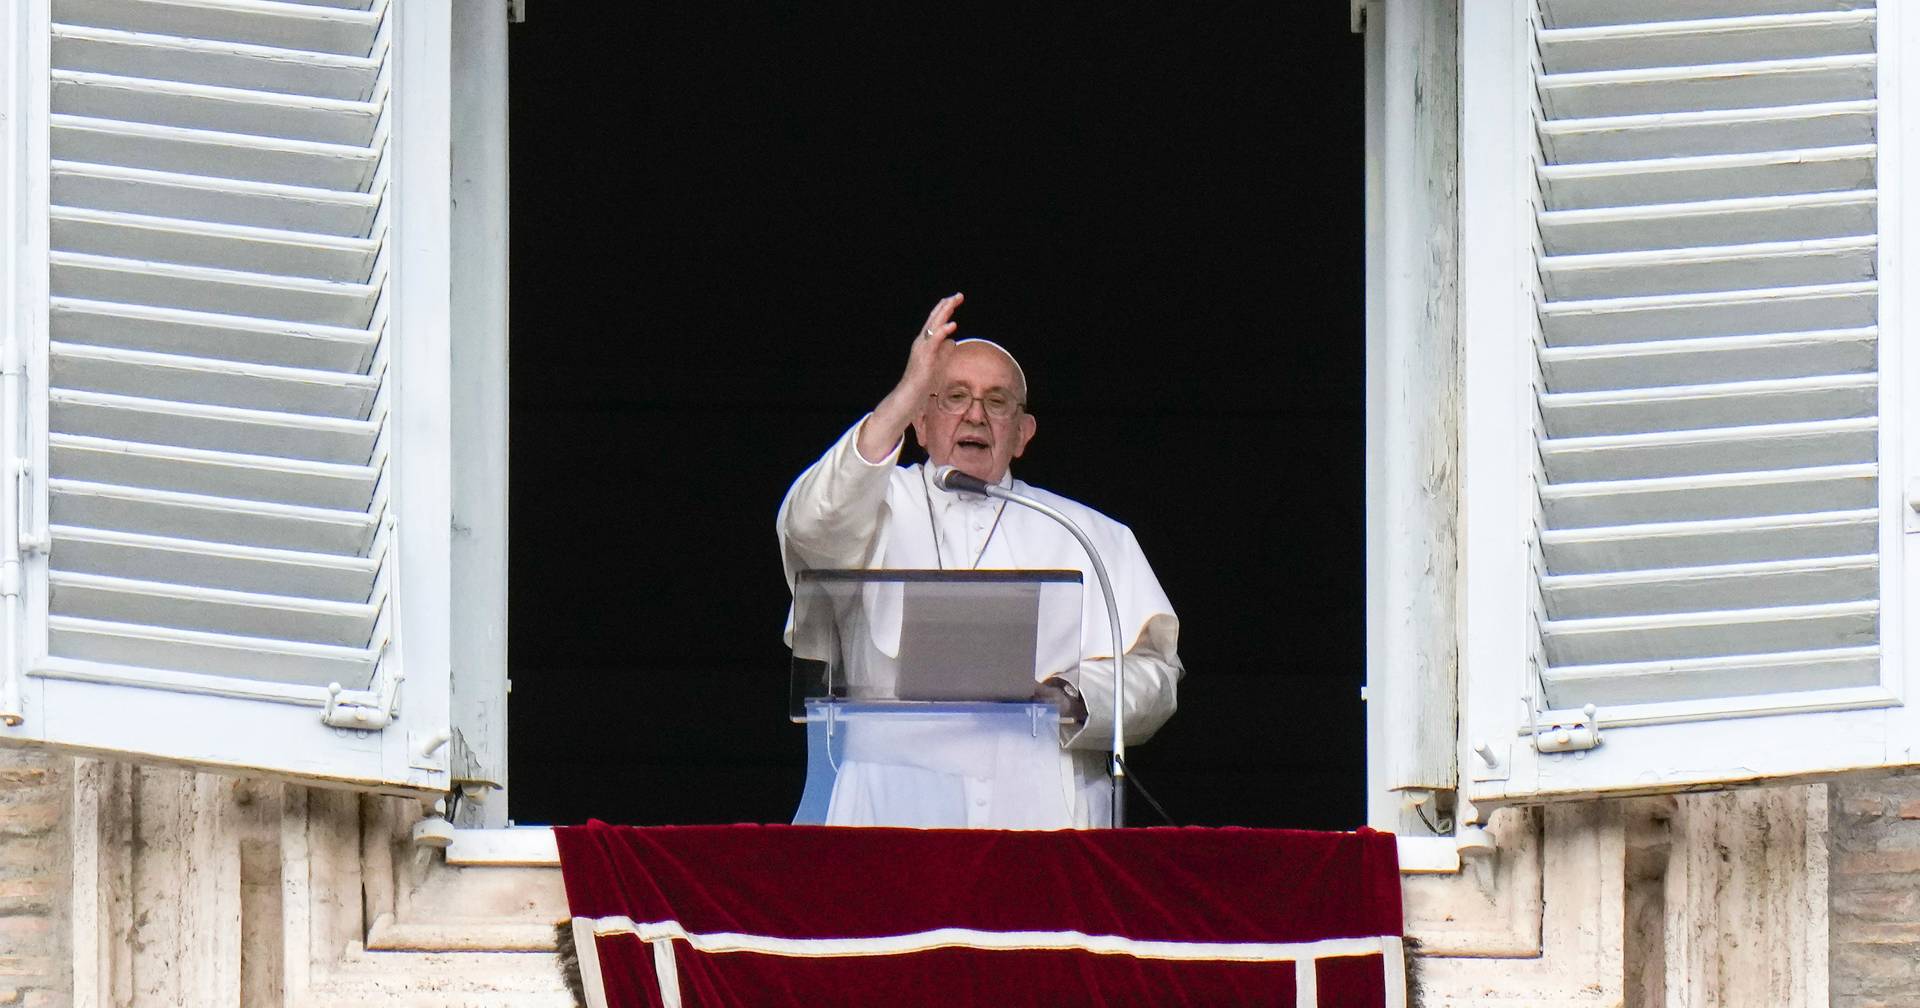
(792, 915)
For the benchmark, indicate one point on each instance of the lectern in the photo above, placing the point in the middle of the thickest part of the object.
(915, 687)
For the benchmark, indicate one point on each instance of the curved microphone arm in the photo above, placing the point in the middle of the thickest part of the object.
(953, 480)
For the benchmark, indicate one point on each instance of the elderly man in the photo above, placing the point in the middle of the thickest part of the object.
(857, 508)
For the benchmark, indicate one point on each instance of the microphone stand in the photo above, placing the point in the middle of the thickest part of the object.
(953, 480)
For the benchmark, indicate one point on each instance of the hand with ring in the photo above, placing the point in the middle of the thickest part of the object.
(890, 420)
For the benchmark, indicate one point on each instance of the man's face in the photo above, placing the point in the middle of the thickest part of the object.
(973, 442)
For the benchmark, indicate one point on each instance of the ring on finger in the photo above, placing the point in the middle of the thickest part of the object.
(928, 333)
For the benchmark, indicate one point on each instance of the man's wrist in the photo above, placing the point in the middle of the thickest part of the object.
(1075, 708)
(867, 442)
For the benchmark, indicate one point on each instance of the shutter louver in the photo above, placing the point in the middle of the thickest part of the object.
(217, 410)
(1706, 416)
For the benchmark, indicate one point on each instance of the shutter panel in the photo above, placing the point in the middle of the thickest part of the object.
(1708, 493)
(1704, 405)
(211, 496)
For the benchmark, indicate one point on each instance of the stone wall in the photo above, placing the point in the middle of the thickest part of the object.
(1875, 888)
(1647, 902)
(34, 880)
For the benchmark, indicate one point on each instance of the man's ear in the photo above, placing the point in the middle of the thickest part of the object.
(1027, 427)
(920, 431)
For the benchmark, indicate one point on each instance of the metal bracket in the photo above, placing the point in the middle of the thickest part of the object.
(426, 751)
(1577, 736)
(30, 541)
(1490, 762)
(364, 712)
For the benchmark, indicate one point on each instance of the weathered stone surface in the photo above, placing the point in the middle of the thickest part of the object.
(29, 818)
(1878, 904)
(1875, 892)
(1866, 806)
(33, 854)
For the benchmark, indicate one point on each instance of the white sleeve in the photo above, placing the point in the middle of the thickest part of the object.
(1152, 694)
(833, 514)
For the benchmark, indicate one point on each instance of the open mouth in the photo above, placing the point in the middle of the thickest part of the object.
(968, 441)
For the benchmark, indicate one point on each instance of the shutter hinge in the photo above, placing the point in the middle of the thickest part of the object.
(30, 540)
(1575, 736)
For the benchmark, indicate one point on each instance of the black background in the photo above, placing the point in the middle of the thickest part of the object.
(729, 221)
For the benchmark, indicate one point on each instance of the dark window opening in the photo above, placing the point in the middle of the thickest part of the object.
(727, 224)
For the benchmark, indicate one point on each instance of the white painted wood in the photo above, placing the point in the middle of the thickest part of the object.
(304, 391)
(1713, 131)
(225, 155)
(1679, 636)
(221, 291)
(1643, 272)
(1711, 379)
(1900, 448)
(1706, 41)
(299, 26)
(219, 428)
(238, 408)
(1733, 404)
(215, 473)
(1715, 313)
(481, 406)
(1587, 185)
(1707, 360)
(1413, 402)
(115, 234)
(213, 336)
(234, 652)
(208, 518)
(23, 269)
(1742, 540)
(214, 565)
(143, 646)
(1497, 292)
(220, 64)
(1706, 223)
(421, 288)
(1578, 13)
(1689, 452)
(1667, 682)
(288, 208)
(1670, 589)
(188, 607)
(1760, 84)
(217, 109)
(1694, 497)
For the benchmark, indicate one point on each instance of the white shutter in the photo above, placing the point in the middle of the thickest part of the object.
(220, 384)
(1678, 430)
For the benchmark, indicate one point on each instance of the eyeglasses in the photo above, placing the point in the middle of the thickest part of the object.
(957, 401)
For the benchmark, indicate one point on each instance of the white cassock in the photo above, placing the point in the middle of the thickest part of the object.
(846, 512)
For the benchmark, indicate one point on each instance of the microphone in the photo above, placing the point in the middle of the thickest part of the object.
(952, 480)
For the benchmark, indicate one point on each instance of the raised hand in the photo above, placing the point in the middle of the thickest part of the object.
(897, 411)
